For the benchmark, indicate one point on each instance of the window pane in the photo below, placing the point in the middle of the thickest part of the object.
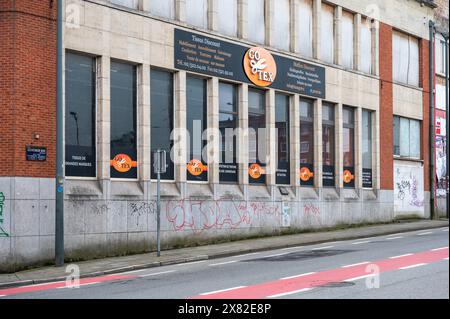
(161, 109)
(414, 138)
(197, 13)
(127, 3)
(123, 121)
(228, 170)
(367, 149)
(366, 46)
(396, 135)
(328, 146)
(282, 19)
(256, 19)
(347, 40)
(306, 142)
(80, 116)
(196, 124)
(327, 33)
(227, 15)
(413, 70)
(256, 138)
(282, 127)
(400, 51)
(404, 137)
(305, 26)
(164, 9)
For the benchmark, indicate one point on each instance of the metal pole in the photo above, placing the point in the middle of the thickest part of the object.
(447, 118)
(59, 205)
(158, 212)
(431, 122)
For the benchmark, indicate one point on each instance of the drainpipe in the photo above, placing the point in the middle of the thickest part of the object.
(59, 205)
(432, 121)
(447, 115)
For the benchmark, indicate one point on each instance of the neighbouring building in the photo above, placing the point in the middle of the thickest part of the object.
(342, 86)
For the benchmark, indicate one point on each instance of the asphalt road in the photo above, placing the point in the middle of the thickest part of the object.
(406, 265)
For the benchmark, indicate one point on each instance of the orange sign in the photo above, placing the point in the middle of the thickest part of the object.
(260, 66)
(348, 177)
(305, 174)
(196, 167)
(123, 163)
(255, 171)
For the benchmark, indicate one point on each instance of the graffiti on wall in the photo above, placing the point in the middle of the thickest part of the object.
(408, 189)
(3, 233)
(311, 211)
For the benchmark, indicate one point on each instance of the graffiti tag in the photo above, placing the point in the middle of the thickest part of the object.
(3, 233)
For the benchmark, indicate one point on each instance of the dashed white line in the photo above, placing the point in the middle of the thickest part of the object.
(426, 233)
(290, 293)
(297, 276)
(158, 273)
(392, 238)
(250, 254)
(224, 263)
(275, 255)
(441, 248)
(360, 277)
(412, 266)
(78, 286)
(361, 242)
(358, 264)
(324, 247)
(190, 263)
(290, 248)
(400, 256)
(445, 229)
(219, 291)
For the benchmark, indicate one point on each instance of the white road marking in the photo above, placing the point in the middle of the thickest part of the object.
(79, 286)
(133, 271)
(360, 277)
(190, 263)
(445, 229)
(2, 296)
(296, 276)
(290, 293)
(224, 263)
(392, 238)
(275, 255)
(250, 254)
(442, 248)
(324, 247)
(446, 258)
(426, 233)
(412, 266)
(358, 264)
(361, 242)
(158, 273)
(290, 248)
(400, 256)
(219, 291)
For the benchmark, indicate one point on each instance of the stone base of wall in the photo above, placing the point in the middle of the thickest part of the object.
(104, 219)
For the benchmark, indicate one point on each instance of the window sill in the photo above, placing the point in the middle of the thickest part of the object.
(409, 86)
(408, 159)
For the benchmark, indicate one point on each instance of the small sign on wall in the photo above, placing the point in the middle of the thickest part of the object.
(36, 153)
(286, 215)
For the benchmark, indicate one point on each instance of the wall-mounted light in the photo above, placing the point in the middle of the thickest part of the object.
(36, 136)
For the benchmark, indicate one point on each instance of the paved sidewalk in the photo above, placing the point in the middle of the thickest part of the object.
(113, 265)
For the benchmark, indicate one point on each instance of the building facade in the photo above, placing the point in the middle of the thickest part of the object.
(336, 94)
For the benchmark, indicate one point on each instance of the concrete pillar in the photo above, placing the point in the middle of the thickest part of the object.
(143, 116)
(242, 145)
(293, 26)
(180, 10)
(317, 20)
(213, 22)
(271, 147)
(243, 19)
(357, 42)
(144, 5)
(338, 35)
(318, 159)
(294, 142)
(358, 147)
(270, 8)
(104, 117)
(376, 48)
(376, 164)
(213, 131)
(180, 140)
(339, 151)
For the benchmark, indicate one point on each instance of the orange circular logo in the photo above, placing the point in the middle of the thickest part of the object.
(196, 167)
(305, 174)
(348, 177)
(255, 171)
(260, 66)
(123, 163)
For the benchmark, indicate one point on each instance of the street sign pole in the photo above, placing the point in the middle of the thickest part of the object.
(159, 166)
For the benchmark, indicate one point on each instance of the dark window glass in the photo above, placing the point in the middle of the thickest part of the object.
(80, 116)
(306, 142)
(228, 122)
(123, 121)
(282, 129)
(328, 145)
(161, 109)
(196, 123)
(348, 115)
(256, 140)
(397, 135)
(367, 149)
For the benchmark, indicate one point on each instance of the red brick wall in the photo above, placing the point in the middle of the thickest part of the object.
(424, 78)
(27, 85)
(386, 108)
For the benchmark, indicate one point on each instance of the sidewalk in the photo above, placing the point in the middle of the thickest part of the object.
(108, 266)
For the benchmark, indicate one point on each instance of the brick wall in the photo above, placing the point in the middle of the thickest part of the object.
(424, 79)
(27, 84)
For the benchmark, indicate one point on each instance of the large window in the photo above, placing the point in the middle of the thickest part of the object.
(164, 8)
(405, 50)
(282, 129)
(228, 122)
(306, 142)
(80, 116)
(347, 40)
(305, 28)
(440, 54)
(328, 145)
(227, 15)
(348, 115)
(196, 112)
(365, 57)
(406, 137)
(161, 109)
(256, 21)
(127, 3)
(327, 33)
(282, 32)
(123, 121)
(367, 149)
(256, 136)
(197, 13)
